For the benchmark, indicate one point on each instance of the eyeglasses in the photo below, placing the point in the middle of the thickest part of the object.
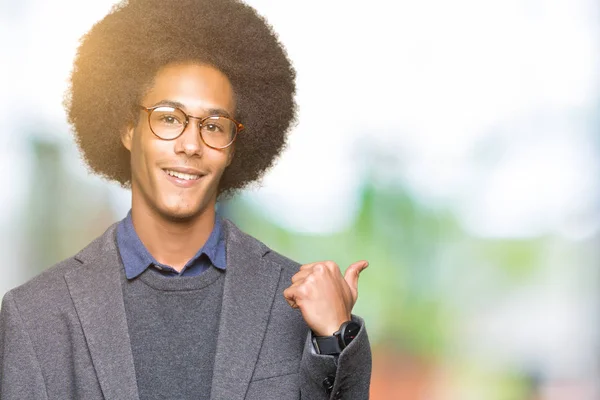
(168, 123)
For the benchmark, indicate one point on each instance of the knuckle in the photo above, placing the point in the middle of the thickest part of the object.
(305, 267)
(303, 291)
(319, 268)
(333, 268)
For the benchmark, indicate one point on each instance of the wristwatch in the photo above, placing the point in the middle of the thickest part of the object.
(333, 345)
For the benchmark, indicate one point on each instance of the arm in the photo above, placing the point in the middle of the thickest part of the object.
(348, 376)
(326, 299)
(20, 372)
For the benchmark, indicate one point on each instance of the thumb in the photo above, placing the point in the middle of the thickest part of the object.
(351, 275)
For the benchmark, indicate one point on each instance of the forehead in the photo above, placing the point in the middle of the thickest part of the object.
(197, 87)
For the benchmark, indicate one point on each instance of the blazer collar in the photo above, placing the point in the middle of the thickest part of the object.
(96, 291)
(251, 283)
(250, 287)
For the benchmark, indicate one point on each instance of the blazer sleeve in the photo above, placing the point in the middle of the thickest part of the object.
(323, 377)
(20, 371)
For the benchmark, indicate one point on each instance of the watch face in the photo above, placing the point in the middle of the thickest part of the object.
(350, 332)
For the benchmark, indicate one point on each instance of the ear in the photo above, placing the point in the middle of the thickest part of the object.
(127, 137)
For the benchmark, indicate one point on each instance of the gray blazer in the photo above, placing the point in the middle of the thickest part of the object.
(63, 335)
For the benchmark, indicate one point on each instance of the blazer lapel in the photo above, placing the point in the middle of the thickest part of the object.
(250, 286)
(96, 291)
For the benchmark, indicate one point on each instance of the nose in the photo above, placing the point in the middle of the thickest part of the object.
(190, 142)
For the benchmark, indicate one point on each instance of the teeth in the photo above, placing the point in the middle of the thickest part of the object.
(181, 175)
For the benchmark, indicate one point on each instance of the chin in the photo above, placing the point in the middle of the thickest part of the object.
(179, 215)
(183, 212)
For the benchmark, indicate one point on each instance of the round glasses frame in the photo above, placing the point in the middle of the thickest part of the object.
(238, 126)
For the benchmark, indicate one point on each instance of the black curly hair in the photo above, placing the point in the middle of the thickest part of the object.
(119, 57)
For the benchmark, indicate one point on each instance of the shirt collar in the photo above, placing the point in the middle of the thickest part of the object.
(136, 258)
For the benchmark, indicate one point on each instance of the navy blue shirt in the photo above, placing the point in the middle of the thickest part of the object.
(137, 259)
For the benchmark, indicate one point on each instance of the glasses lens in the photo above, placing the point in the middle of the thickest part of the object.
(167, 122)
(218, 131)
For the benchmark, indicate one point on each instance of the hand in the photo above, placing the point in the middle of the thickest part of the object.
(325, 297)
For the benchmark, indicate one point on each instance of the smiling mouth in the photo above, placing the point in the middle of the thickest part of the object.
(181, 175)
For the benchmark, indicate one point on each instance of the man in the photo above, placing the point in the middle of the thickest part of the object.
(183, 103)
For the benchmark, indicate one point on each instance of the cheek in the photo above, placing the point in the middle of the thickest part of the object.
(220, 159)
(144, 154)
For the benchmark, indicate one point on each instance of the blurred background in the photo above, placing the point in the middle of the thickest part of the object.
(452, 144)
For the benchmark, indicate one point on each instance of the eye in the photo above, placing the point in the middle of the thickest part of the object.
(164, 117)
(167, 119)
(212, 127)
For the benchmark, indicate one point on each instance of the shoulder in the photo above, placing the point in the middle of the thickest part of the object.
(42, 296)
(47, 281)
(49, 287)
(255, 245)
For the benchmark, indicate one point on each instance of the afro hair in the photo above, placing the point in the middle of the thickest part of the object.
(120, 56)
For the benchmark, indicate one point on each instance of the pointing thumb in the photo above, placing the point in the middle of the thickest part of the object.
(351, 275)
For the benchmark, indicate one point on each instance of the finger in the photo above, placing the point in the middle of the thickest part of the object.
(352, 273)
(297, 291)
(292, 304)
(324, 264)
(308, 267)
(300, 276)
(289, 296)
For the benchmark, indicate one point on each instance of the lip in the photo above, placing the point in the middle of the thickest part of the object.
(183, 182)
(184, 170)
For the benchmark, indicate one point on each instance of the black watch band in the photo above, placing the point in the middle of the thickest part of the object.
(333, 345)
(327, 345)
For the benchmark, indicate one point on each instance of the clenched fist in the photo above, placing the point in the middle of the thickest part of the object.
(323, 295)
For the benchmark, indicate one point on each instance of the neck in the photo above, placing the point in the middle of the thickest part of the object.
(172, 242)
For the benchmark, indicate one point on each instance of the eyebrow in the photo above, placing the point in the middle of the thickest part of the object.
(176, 104)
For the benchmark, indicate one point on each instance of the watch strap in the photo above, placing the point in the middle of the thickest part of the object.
(328, 345)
